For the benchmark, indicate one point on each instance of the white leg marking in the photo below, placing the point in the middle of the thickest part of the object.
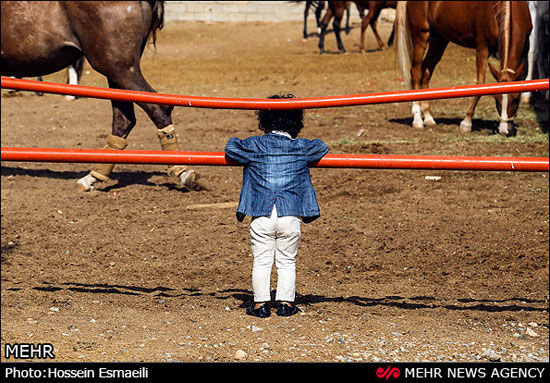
(73, 80)
(429, 120)
(466, 125)
(86, 183)
(417, 117)
(503, 126)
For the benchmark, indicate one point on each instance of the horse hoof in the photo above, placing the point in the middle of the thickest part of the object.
(86, 183)
(80, 187)
(189, 179)
(430, 122)
(465, 127)
(418, 125)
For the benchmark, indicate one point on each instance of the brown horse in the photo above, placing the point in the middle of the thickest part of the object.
(318, 7)
(498, 28)
(336, 9)
(39, 38)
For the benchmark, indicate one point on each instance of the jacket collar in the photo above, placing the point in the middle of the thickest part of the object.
(281, 133)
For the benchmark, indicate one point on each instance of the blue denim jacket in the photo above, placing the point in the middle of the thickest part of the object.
(276, 172)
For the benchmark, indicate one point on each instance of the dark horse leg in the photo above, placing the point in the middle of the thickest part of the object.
(306, 13)
(338, 13)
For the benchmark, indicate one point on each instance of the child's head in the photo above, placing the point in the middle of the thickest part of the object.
(290, 121)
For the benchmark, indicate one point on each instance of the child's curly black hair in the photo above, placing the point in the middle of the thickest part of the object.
(290, 121)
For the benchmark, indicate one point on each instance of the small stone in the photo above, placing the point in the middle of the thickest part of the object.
(531, 333)
(256, 329)
(240, 355)
(491, 355)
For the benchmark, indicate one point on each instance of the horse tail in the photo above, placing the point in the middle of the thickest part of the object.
(157, 19)
(403, 43)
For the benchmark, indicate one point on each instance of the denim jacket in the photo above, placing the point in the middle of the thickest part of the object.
(276, 172)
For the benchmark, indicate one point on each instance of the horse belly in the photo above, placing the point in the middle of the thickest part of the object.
(37, 39)
(38, 63)
(455, 21)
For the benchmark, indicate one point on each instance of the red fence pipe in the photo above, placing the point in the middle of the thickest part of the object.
(297, 103)
(363, 161)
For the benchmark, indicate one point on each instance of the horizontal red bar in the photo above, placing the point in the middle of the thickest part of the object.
(364, 161)
(297, 103)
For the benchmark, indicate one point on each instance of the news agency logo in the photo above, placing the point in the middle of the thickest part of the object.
(389, 372)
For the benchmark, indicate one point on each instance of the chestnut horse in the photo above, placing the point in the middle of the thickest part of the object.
(336, 9)
(498, 28)
(39, 38)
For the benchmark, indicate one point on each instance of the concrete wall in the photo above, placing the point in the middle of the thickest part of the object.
(270, 11)
(234, 11)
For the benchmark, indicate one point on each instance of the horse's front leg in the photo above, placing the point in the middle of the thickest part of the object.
(419, 43)
(437, 46)
(482, 55)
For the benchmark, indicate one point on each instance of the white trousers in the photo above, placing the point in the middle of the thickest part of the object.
(274, 239)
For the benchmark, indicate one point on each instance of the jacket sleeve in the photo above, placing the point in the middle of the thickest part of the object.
(237, 151)
(316, 150)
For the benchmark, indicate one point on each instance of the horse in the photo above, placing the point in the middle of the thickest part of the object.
(39, 38)
(542, 44)
(498, 28)
(537, 41)
(318, 7)
(336, 10)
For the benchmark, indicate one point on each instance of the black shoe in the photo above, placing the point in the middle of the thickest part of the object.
(285, 310)
(261, 312)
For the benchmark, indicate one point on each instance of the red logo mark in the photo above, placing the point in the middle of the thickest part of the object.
(388, 372)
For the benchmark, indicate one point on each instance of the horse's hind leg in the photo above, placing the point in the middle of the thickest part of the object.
(437, 46)
(124, 120)
(323, 32)
(161, 117)
(419, 44)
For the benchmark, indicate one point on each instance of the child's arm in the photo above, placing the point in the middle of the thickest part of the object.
(235, 150)
(316, 150)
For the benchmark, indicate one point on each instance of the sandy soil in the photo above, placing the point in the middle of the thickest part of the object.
(397, 268)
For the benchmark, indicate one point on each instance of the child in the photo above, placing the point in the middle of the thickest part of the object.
(277, 193)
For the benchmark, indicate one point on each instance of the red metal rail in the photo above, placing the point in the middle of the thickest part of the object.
(365, 161)
(298, 103)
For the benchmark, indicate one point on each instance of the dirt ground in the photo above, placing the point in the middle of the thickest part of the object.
(398, 267)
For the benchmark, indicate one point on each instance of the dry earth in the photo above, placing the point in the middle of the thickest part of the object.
(398, 267)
